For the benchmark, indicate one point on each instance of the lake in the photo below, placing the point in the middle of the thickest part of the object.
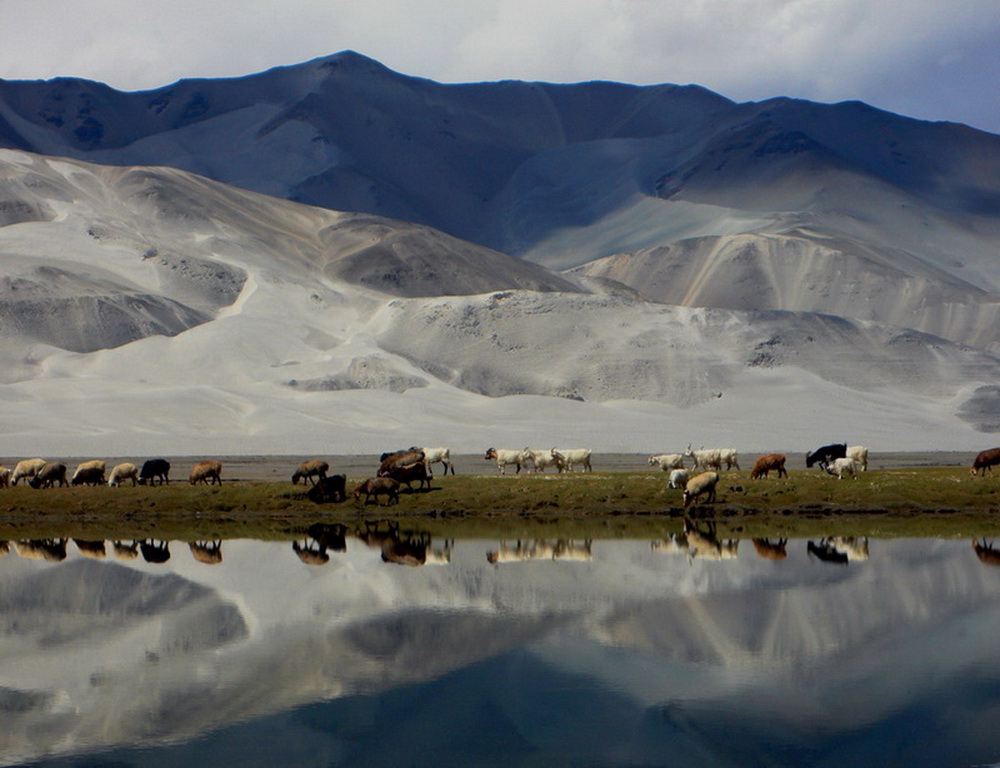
(390, 648)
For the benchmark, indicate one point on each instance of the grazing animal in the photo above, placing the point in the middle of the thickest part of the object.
(573, 456)
(400, 459)
(704, 483)
(207, 552)
(860, 454)
(400, 451)
(122, 472)
(983, 463)
(312, 470)
(542, 459)
(49, 475)
(667, 461)
(206, 471)
(411, 473)
(770, 462)
(504, 457)
(26, 469)
(844, 466)
(771, 550)
(153, 469)
(331, 488)
(378, 486)
(4, 477)
(439, 456)
(825, 455)
(713, 458)
(678, 478)
(88, 476)
(985, 552)
(88, 472)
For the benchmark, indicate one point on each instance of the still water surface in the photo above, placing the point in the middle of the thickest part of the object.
(401, 651)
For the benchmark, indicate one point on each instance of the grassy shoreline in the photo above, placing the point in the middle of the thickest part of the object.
(922, 501)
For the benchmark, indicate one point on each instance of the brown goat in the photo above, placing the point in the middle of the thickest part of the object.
(312, 470)
(985, 461)
(769, 462)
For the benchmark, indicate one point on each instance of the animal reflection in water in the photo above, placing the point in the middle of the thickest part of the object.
(771, 550)
(94, 549)
(320, 538)
(412, 548)
(541, 549)
(207, 552)
(700, 543)
(985, 552)
(53, 550)
(839, 550)
(155, 552)
(129, 551)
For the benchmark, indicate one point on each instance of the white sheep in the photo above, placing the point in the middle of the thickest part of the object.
(122, 472)
(704, 483)
(844, 466)
(678, 478)
(667, 461)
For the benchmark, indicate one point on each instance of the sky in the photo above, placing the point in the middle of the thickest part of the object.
(931, 59)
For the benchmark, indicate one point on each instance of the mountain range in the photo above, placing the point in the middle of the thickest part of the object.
(333, 255)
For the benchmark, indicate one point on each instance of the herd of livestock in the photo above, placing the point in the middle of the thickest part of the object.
(414, 465)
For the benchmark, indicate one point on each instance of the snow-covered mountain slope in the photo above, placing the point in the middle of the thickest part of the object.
(765, 199)
(151, 310)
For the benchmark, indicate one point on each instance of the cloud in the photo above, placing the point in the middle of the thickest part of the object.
(920, 57)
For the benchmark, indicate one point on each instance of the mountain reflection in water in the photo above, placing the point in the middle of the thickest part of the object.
(691, 650)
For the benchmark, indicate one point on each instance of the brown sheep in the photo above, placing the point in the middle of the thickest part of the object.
(4, 477)
(205, 471)
(49, 475)
(400, 459)
(88, 476)
(89, 473)
(378, 486)
(769, 462)
(418, 472)
(312, 470)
